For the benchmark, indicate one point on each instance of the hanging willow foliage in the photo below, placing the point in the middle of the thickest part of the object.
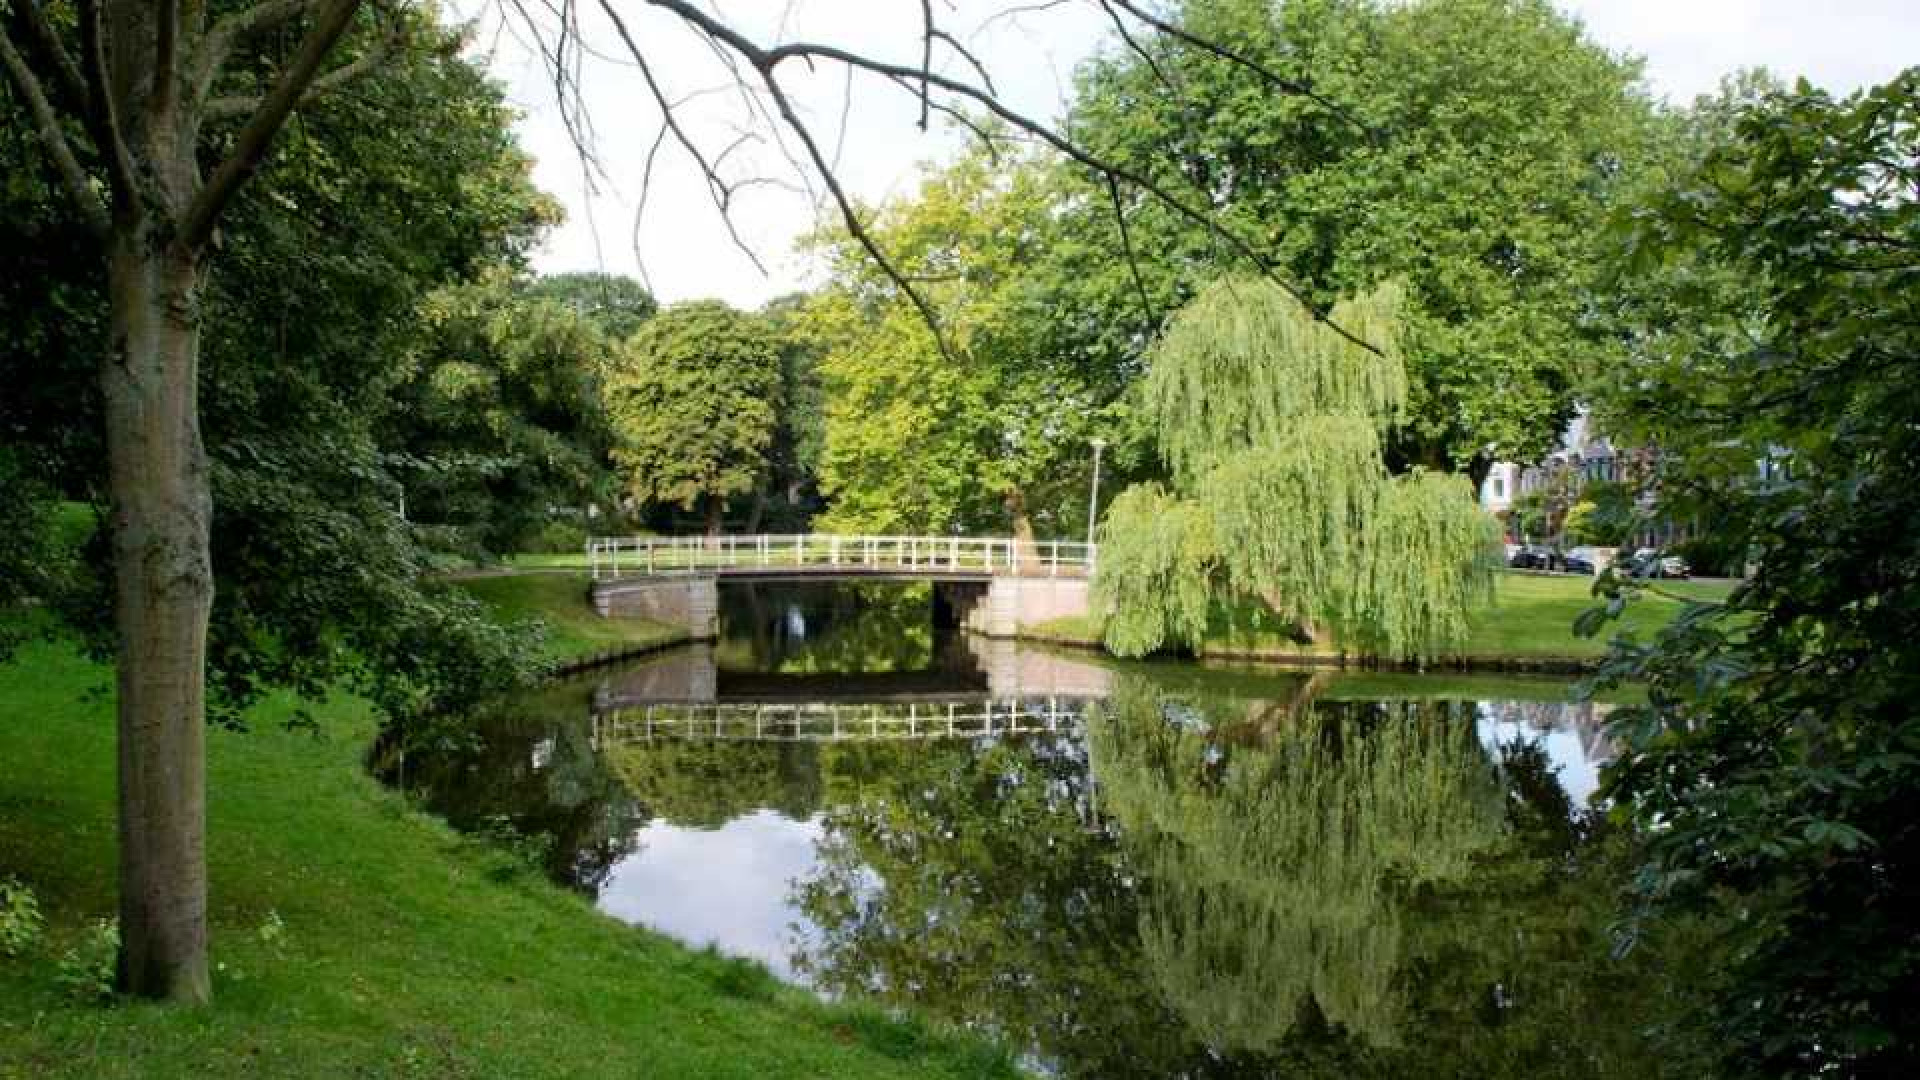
(1277, 870)
(1243, 362)
(1157, 561)
(1272, 426)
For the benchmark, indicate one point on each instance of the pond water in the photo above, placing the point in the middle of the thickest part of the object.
(1149, 870)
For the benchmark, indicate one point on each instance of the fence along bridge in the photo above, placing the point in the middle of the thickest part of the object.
(673, 578)
(769, 555)
(968, 718)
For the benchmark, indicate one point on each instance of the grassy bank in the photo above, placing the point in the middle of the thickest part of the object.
(559, 601)
(1531, 620)
(356, 937)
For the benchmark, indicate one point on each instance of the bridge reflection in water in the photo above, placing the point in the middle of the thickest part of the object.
(980, 688)
(968, 718)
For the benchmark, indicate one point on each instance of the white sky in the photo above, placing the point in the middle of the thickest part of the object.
(1687, 44)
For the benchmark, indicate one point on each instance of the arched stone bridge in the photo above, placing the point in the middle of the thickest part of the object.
(995, 585)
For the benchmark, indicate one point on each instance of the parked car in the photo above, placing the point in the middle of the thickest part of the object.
(1534, 557)
(1578, 564)
(1647, 562)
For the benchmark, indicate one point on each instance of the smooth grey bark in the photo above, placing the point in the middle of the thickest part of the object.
(163, 594)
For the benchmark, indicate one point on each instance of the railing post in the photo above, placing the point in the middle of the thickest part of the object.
(1053, 559)
(833, 550)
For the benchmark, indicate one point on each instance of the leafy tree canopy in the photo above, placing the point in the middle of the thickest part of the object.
(307, 318)
(613, 302)
(988, 429)
(1470, 149)
(693, 400)
(1775, 761)
(1272, 423)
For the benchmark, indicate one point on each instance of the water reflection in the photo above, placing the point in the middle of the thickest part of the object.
(1157, 871)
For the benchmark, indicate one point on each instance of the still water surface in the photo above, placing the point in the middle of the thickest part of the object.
(1125, 870)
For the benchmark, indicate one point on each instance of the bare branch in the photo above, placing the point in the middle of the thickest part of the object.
(926, 57)
(258, 134)
(1126, 250)
(1126, 36)
(717, 187)
(766, 60)
(852, 218)
(640, 205)
(47, 125)
(986, 77)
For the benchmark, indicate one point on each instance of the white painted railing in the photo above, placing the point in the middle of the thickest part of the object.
(841, 722)
(613, 557)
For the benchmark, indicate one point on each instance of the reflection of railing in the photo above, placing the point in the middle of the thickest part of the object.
(611, 557)
(835, 722)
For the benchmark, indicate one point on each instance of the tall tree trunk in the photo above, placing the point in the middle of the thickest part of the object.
(716, 514)
(163, 585)
(1016, 512)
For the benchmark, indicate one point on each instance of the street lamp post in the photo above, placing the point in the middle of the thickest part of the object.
(1093, 496)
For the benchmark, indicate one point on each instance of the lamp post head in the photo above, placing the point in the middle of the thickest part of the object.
(1098, 443)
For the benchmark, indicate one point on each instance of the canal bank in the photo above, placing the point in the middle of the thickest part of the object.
(1527, 630)
(356, 936)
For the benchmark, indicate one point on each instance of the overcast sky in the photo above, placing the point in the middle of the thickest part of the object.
(684, 246)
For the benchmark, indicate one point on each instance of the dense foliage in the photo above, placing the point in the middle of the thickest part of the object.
(1775, 763)
(984, 427)
(1470, 149)
(693, 400)
(307, 317)
(1272, 423)
(495, 415)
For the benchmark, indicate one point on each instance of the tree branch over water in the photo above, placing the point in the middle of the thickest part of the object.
(760, 70)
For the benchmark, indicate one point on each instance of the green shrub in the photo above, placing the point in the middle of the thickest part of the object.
(20, 921)
(556, 538)
(86, 970)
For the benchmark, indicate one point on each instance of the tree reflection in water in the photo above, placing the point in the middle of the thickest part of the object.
(1275, 855)
(1210, 886)
(1222, 877)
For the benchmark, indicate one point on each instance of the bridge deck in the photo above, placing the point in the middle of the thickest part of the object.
(790, 556)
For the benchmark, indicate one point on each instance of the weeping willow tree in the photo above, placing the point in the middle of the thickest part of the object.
(1275, 863)
(1271, 425)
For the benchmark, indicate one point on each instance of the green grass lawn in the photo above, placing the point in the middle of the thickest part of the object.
(1531, 619)
(574, 630)
(406, 950)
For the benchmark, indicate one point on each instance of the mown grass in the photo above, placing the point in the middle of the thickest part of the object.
(406, 950)
(559, 601)
(1531, 620)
